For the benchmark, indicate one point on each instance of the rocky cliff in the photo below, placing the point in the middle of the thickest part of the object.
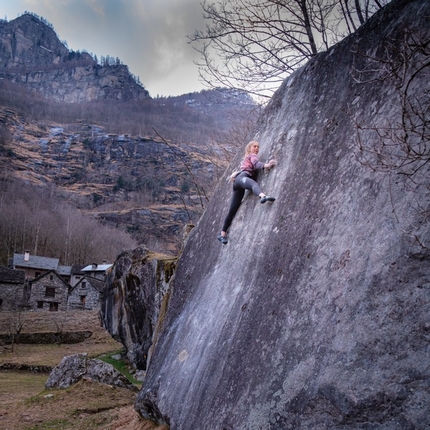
(32, 55)
(146, 186)
(315, 314)
(75, 84)
(134, 297)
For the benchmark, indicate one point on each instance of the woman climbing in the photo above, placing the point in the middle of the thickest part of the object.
(246, 180)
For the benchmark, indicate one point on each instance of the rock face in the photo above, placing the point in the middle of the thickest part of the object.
(82, 83)
(75, 367)
(315, 314)
(27, 42)
(133, 299)
(31, 54)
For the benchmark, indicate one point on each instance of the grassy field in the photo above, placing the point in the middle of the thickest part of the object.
(24, 402)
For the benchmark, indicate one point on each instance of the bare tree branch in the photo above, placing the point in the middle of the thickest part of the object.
(200, 190)
(400, 145)
(253, 45)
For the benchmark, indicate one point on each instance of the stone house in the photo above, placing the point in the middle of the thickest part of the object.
(11, 289)
(86, 294)
(33, 265)
(41, 283)
(48, 292)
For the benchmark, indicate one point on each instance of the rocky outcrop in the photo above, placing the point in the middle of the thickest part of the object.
(32, 55)
(74, 368)
(134, 301)
(28, 43)
(315, 314)
(128, 182)
(82, 83)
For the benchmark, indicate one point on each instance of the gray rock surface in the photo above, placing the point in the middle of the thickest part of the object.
(315, 315)
(133, 299)
(73, 368)
(82, 83)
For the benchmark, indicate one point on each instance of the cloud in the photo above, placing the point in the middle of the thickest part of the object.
(161, 41)
(150, 36)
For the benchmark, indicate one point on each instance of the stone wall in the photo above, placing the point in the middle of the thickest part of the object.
(47, 338)
(11, 296)
(12, 284)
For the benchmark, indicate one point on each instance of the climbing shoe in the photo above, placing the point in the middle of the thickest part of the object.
(267, 199)
(222, 239)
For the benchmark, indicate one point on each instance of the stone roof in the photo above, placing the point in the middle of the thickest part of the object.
(77, 269)
(10, 276)
(35, 262)
(94, 282)
(64, 270)
(44, 275)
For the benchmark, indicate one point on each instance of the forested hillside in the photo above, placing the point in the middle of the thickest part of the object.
(144, 168)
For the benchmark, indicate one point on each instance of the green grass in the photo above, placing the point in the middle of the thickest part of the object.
(120, 365)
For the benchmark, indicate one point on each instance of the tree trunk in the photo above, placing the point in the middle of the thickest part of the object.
(308, 27)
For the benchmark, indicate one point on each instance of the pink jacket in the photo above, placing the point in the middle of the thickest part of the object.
(251, 164)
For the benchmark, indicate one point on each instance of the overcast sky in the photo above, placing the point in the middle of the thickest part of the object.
(149, 36)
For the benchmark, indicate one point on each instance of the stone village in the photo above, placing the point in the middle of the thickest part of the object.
(38, 283)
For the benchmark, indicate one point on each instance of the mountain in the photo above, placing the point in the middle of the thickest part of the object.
(315, 314)
(146, 166)
(32, 55)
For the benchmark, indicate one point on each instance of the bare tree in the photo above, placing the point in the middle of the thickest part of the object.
(198, 187)
(403, 145)
(254, 44)
(16, 324)
(399, 144)
(31, 219)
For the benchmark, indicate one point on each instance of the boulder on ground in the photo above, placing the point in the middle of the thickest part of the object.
(73, 368)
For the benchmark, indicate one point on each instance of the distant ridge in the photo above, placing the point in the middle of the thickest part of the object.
(31, 54)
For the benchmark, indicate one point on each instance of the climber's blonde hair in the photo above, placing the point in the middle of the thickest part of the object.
(248, 147)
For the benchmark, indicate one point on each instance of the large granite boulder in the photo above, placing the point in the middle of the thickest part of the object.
(315, 314)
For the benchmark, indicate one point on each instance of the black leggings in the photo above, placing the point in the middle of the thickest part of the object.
(241, 183)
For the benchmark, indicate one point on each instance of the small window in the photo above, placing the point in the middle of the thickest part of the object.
(1, 302)
(39, 305)
(36, 274)
(83, 298)
(50, 292)
(53, 306)
(51, 277)
(84, 284)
